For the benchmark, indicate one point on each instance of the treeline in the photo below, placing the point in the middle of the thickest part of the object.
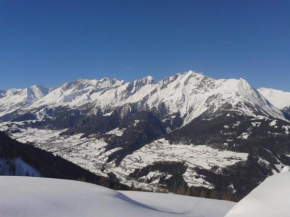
(204, 193)
(212, 194)
(51, 166)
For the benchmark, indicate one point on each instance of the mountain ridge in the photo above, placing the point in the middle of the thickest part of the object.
(190, 93)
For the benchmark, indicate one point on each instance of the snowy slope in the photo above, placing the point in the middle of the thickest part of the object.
(269, 199)
(36, 197)
(14, 99)
(186, 206)
(278, 98)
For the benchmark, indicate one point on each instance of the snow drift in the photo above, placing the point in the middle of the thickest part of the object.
(270, 199)
(34, 197)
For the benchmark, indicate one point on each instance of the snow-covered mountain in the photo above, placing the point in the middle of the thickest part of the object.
(77, 93)
(190, 94)
(186, 133)
(18, 99)
(278, 98)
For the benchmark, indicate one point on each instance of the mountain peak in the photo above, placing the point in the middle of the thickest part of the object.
(191, 73)
(147, 80)
(105, 79)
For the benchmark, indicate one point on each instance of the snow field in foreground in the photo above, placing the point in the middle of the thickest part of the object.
(34, 197)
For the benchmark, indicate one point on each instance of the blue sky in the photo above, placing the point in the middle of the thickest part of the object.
(50, 42)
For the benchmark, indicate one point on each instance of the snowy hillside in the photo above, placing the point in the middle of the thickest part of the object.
(269, 199)
(278, 98)
(36, 197)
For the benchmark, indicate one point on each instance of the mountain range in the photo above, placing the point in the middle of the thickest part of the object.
(187, 133)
